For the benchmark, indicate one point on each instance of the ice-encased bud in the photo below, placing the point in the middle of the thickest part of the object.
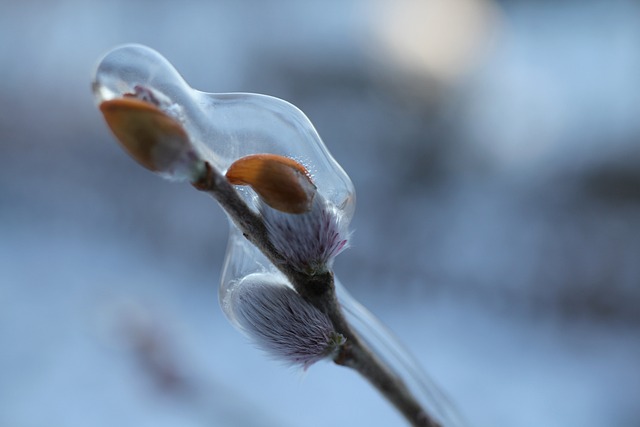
(281, 182)
(155, 140)
(225, 127)
(281, 322)
(310, 239)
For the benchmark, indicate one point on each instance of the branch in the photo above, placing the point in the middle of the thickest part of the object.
(318, 290)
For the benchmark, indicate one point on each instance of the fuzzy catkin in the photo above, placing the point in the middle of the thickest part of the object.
(283, 324)
(308, 241)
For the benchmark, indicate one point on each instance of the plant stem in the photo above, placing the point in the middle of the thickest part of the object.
(318, 290)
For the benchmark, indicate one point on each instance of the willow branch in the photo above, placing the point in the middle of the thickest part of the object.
(319, 290)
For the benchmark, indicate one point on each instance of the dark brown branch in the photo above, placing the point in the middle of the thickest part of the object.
(319, 290)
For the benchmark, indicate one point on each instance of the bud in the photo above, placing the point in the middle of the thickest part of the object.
(310, 241)
(305, 228)
(281, 182)
(152, 137)
(281, 322)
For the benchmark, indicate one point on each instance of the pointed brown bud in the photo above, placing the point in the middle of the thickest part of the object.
(154, 139)
(281, 182)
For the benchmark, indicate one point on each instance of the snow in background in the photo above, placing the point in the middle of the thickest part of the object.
(495, 149)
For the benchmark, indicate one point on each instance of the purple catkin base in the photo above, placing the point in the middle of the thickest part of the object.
(282, 323)
(309, 241)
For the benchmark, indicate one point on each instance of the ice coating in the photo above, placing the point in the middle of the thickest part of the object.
(226, 126)
(391, 351)
(241, 260)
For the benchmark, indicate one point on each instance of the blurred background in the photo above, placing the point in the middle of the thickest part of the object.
(495, 149)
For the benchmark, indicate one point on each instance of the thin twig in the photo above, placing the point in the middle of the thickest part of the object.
(319, 290)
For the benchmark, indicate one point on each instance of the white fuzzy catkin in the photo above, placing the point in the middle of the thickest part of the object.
(282, 323)
(309, 241)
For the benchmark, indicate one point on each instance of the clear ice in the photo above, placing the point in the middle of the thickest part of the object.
(227, 126)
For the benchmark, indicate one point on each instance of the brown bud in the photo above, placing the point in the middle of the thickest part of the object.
(281, 182)
(153, 138)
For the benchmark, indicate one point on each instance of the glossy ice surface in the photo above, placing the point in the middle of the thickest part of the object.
(226, 126)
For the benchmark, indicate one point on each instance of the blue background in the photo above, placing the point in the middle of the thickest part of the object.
(495, 149)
